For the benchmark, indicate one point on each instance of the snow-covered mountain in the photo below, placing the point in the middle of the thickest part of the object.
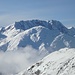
(40, 34)
(44, 37)
(60, 62)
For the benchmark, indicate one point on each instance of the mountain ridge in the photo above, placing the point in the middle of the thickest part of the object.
(60, 62)
(50, 29)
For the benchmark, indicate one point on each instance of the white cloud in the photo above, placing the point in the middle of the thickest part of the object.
(16, 61)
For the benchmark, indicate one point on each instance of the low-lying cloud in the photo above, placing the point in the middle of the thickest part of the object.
(12, 62)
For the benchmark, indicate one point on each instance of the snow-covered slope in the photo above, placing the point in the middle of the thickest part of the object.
(39, 34)
(38, 37)
(60, 62)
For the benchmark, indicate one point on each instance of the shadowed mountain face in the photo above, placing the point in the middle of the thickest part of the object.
(40, 34)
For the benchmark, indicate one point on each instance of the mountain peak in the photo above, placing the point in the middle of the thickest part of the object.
(30, 23)
(24, 25)
(51, 24)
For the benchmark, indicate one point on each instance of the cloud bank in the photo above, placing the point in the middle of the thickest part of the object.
(12, 62)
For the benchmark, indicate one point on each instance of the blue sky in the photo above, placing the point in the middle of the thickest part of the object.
(16, 10)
